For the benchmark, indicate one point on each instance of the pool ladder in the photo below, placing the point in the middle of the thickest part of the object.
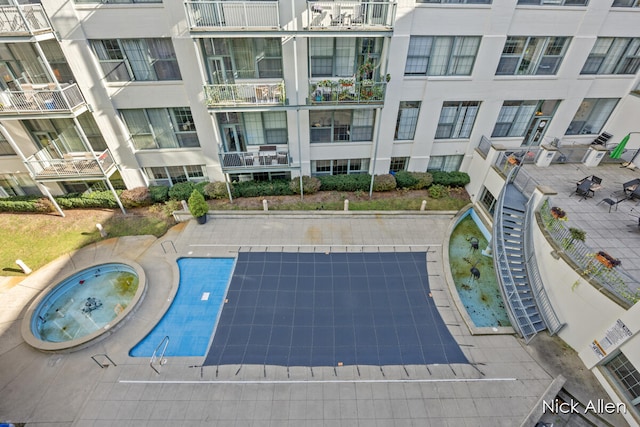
(160, 360)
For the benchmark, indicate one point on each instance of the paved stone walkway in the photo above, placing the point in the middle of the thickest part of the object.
(500, 388)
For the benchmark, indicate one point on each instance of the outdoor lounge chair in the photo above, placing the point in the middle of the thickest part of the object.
(629, 186)
(635, 194)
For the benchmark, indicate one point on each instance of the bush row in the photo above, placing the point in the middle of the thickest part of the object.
(143, 196)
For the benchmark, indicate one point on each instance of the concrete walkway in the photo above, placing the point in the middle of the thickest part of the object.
(502, 386)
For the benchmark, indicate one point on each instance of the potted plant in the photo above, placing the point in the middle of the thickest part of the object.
(346, 82)
(365, 71)
(198, 206)
(558, 213)
(575, 234)
(607, 260)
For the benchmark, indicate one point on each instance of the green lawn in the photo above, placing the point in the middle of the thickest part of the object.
(39, 239)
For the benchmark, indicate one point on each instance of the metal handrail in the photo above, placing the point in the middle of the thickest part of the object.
(508, 287)
(543, 302)
(161, 360)
(221, 15)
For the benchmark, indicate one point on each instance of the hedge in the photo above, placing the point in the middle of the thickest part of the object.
(261, 188)
(406, 179)
(451, 179)
(358, 182)
(384, 182)
(159, 193)
(181, 190)
(96, 199)
(310, 185)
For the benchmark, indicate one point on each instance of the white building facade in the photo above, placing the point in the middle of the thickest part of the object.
(148, 92)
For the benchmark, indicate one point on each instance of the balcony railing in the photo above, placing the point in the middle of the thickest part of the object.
(254, 160)
(245, 94)
(46, 100)
(353, 15)
(335, 92)
(224, 15)
(23, 20)
(72, 165)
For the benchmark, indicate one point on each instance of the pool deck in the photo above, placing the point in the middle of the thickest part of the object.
(502, 386)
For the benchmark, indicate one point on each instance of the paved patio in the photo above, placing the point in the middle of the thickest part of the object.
(502, 385)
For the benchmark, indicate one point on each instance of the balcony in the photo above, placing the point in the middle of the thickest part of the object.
(245, 94)
(350, 15)
(23, 20)
(263, 159)
(232, 15)
(344, 92)
(72, 165)
(41, 99)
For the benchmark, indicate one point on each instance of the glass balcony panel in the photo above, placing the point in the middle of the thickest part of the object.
(24, 19)
(350, 14)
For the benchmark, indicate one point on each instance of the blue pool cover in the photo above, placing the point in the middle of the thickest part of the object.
(314, 309)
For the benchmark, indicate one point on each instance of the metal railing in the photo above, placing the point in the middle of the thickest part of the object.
(335, 92)
(517, 311)
(44, 166)
(547, 312)
(354, 15)
(615, 279)
(524, 182)
(257, 94)
(23, 19)
(221, 15)
(250, 160)
(160, 360)
(44, 101)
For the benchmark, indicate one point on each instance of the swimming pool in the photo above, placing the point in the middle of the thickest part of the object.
(473, 273)
(189, 322)
(83, 306)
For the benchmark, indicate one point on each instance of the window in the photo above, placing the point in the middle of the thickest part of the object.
(154, 128)
(339, 167)
(444, 163)
(242, 58)
(57, 61)
(341, 56)
(626, 3)
(532, 55)
(398, 164)
(613, 55)
(137, 59)
(441, 56)
(260, 176)
(341, 125)
(514, 118)
(170, 175)
(591, 116)
(555, 2)
(19, 184)
(455, 1)
(457, 119)
(488, 200)
(5, 147)
(627, 377)
(407, 119)
(260, 128)
(92, 131)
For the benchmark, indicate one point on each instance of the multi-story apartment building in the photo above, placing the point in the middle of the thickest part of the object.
(147, 92)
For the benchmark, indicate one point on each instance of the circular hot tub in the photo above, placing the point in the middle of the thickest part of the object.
(84, 307)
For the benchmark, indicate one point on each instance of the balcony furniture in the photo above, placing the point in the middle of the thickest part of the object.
(635, 194)
(337, 17)
(358, 14)
(630, 186)
(609, 202)
(583, 189)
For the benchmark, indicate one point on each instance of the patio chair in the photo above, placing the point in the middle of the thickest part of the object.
(609, 202)
(358, 14)
(635, 194)
(337, 17)
(596, 180)
(629, 186)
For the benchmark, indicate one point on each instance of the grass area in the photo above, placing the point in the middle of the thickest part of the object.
(39, 239)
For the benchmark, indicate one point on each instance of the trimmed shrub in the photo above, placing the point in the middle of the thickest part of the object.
(405, 179)
(310, 185)
(385, 182)
(181, 191)
(200, 187)
(451, 179)
(136, 197)
(425, 179)
(438, 191)
(159, 193)
(197, 205)
(96, 199)
(357, 182)
(261, 188)
(216, 190)
(8, 205)
(44, 205)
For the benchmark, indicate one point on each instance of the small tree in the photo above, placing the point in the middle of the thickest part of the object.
(197, 205)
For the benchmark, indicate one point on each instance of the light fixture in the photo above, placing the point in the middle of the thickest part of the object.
(539, 111)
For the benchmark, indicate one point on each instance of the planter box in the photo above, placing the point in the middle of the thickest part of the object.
(607, 262)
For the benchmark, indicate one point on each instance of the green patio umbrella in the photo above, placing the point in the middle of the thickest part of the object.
(617, 152)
